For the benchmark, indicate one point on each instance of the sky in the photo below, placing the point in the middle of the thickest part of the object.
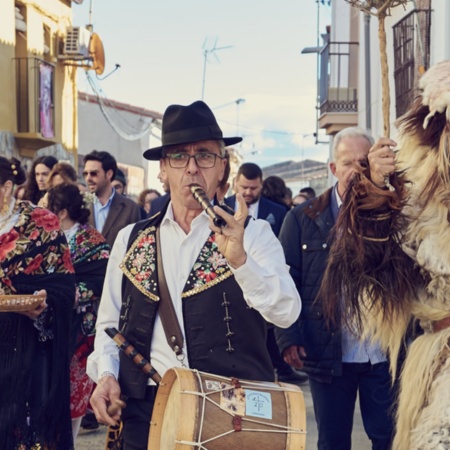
(253, 53)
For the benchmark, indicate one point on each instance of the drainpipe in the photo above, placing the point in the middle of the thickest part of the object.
(368, 85)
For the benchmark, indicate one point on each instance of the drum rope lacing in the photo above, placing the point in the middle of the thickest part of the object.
(205, 397)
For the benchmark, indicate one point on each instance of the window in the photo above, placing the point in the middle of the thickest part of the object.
(411, 56)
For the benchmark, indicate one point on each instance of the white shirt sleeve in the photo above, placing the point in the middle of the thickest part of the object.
(105, 357)
(265, 279)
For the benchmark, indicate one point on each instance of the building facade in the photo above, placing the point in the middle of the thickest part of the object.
(38, 98)
(123, 130)
(350, 71)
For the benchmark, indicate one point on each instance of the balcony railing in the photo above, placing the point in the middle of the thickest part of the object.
(338, 78)
(35, 81)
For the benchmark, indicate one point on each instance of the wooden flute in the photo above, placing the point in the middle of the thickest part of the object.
(129, 350)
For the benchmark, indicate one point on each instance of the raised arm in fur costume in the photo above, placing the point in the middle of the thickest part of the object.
(395, 255)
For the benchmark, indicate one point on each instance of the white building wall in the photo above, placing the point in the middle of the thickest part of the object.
(440, 31)
(95, 133)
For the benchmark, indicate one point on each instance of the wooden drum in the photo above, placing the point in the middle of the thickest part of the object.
(197, 410)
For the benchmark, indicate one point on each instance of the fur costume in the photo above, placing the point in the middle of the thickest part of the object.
(393, 263)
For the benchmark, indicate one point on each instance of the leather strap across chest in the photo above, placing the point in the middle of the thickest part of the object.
(167, 312)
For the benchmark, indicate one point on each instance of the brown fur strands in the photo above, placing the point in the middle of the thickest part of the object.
(436, 138)
(366, 255)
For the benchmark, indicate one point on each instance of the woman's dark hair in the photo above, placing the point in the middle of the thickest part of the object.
(143, 194)
(67, 196)
(274, 188)
(65, 171)
(10, 169)
(32, 191)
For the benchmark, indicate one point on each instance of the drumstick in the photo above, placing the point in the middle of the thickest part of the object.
(133, 354)
(200, 195)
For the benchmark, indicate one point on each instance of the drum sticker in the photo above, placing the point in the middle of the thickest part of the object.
(212, 385)
(258, 404)
(232, 399)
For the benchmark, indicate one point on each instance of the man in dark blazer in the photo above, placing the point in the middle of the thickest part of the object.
(249, 181)
(111, 212)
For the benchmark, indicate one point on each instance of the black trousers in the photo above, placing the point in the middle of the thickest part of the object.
(136, 420)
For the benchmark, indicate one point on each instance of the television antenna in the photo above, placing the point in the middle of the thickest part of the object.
(210, 48)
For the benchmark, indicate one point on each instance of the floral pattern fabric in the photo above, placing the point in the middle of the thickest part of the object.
(35, 227)
(139, 265)
(210, 269)
(89, 253)
(34, 255)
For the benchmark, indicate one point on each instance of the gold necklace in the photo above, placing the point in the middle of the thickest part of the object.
(8, 216)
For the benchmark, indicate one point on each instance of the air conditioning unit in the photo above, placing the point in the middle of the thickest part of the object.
(76, 43)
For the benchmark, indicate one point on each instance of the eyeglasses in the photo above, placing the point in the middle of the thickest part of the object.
(92, 173)
(203, 160)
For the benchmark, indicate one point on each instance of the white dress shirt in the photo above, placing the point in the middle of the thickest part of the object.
(264, 280)
(101, 211)
(253, 209)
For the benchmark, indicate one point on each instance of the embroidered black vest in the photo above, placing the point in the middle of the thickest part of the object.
(223, 334)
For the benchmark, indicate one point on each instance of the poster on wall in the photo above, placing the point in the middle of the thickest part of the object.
(45, 104)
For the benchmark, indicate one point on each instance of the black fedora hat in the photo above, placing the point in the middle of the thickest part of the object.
(186, 124)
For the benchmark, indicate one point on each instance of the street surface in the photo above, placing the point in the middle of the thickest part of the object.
(95, 440)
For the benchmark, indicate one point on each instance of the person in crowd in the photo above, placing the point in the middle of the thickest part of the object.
(249, 183)
(245, 267)
(62, 172)
(120, 185)
(34, 356)
(340, 363)
(308, 192)
(288, 197)
(299, 199)
(146, 197)
(224, 185)
(112, 211)
(37, 178)
(19, 191)
(274, 188)
(89, 253)
(160, 203)
(120, 182)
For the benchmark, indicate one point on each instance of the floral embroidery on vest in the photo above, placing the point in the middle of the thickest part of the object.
(139, 263)
(210, 269)
(139, 266)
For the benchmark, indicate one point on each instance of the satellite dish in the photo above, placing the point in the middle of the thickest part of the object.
(97, 53)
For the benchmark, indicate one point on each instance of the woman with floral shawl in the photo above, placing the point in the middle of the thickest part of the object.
(34, 345)
(89, 253)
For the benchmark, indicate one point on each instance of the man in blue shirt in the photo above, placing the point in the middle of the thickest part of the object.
(112, 211)
(339, 363)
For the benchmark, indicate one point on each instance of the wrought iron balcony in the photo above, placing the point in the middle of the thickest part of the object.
(338, 78)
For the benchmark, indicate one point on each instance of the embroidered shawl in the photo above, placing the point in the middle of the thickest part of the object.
(34, 355)
(89, 253)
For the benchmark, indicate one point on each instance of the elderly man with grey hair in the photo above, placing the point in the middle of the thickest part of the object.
(340, 365)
